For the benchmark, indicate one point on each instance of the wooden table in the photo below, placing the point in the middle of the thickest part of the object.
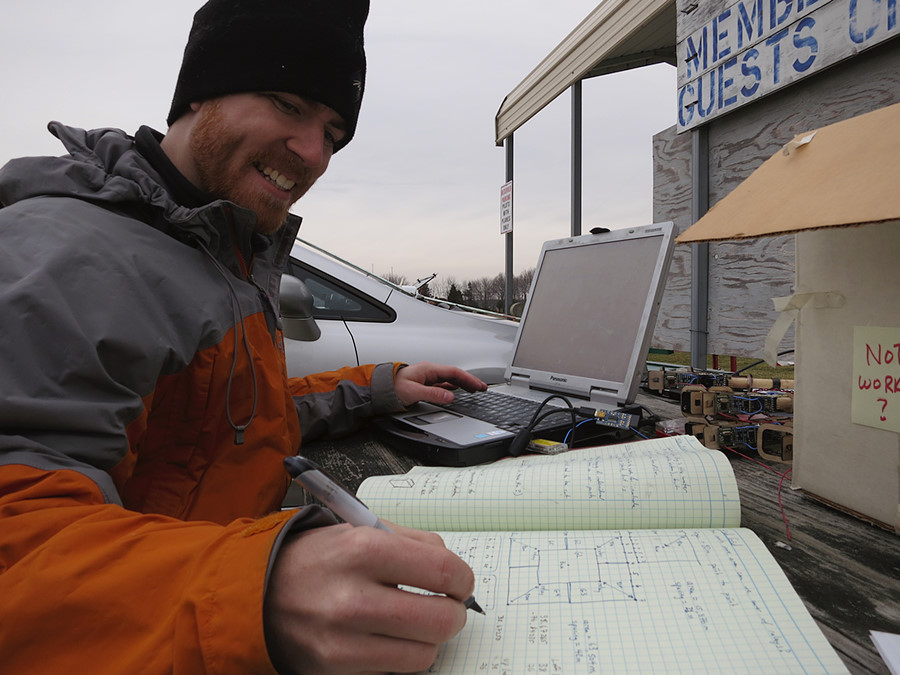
(351, 460)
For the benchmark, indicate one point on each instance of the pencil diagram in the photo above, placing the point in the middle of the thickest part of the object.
(565, 569)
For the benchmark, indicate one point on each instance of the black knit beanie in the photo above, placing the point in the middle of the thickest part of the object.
(312, 48)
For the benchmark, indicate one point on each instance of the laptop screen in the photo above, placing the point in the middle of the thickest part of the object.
(587, 323)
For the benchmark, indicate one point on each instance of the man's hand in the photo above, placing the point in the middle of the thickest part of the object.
(333, 606)
(432, 383)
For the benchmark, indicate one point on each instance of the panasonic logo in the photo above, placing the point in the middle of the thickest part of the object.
(558, 379)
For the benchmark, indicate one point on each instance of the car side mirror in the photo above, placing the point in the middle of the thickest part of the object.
(296, 308)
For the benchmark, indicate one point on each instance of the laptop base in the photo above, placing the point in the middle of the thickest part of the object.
(432, 451)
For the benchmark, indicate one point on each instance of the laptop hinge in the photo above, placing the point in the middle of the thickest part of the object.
(605, 398)
(520, 380)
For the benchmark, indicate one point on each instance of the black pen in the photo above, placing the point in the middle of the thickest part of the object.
(337, 498)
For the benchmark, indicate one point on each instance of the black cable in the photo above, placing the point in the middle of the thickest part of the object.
(534, 419)
(523, 437)
(651, 418)
(738, 372)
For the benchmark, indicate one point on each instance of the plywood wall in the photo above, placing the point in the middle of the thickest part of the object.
(746, 275)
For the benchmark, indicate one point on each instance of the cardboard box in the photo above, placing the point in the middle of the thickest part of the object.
(838, 189)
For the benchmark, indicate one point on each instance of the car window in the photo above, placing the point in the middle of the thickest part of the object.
(333, 299)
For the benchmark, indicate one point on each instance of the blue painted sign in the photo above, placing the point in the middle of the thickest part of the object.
(752, 48)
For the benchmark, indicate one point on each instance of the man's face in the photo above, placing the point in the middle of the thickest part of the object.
(262, 151)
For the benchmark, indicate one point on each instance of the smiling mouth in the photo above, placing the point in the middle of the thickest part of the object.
(275, 178)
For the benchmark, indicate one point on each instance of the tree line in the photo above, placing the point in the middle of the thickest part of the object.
(485, 292)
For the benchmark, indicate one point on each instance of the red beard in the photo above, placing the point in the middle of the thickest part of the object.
(214, 146)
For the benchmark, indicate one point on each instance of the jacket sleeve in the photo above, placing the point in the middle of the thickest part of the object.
(88, 585)
(337, 403)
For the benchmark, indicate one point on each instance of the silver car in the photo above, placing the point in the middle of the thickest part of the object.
(366, 319)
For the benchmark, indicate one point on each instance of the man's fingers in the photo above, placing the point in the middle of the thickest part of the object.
(413, 533)
(435, 395)
(403, 614)
(429, 382)
(428, 565)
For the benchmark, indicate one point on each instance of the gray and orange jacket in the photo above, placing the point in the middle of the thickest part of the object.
(145, 410)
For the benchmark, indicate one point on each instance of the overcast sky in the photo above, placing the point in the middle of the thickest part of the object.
(417, 190)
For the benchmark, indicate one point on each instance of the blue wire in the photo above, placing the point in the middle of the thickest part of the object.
(569, 433)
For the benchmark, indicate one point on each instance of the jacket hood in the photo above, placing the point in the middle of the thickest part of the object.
(104, 167)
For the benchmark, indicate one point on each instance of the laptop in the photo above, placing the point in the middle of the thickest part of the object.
(584, 335)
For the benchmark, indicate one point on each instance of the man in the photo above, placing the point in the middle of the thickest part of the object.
(145, 409)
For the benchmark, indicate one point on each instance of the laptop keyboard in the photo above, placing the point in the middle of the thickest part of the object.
(507, 412)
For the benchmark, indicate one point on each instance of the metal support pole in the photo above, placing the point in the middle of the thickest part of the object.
(508, 295)
(699, 252)
(576, 159)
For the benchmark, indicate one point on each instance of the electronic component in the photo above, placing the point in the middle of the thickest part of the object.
(616, 419)
(546, 447)
(716, 403)
(695, 427)
(736, 436)
(672, 382)
(705, 378)
(722, 435)
(776, 442)
(751, 403)
(697, 400)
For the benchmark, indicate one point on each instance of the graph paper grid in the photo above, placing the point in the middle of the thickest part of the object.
(639, 601)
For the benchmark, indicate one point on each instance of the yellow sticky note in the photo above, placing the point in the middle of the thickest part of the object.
(875, 398)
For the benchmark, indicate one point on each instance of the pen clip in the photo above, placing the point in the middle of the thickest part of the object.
(297, 465)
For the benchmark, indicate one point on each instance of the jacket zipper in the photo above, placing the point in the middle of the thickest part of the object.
(267, 302)
(272, 321)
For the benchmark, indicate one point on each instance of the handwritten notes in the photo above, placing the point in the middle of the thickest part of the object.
(640, 601)
(875, 390)
(672, 482)
(621, 558)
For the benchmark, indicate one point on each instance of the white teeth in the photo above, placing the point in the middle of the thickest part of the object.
(277, 178)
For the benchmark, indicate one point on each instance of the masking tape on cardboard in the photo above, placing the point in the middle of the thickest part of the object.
(788, 307)
(798, 142)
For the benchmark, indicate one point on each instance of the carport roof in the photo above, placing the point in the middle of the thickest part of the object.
(616, 35)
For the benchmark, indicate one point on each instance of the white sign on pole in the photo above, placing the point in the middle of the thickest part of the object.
(747, 49)
(506, 208)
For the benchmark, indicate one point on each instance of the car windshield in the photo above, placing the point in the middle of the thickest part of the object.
(406, 290)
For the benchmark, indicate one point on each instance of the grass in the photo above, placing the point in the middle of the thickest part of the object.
(757, 367)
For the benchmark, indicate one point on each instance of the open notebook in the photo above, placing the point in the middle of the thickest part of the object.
(584, 334)
(627, 558)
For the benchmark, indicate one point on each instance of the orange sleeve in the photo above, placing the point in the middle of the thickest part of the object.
(86, 584)
(320, 383)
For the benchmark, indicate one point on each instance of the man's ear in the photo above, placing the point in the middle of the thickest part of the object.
(196, 106)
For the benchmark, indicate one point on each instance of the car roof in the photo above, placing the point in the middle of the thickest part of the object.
(368, 282)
